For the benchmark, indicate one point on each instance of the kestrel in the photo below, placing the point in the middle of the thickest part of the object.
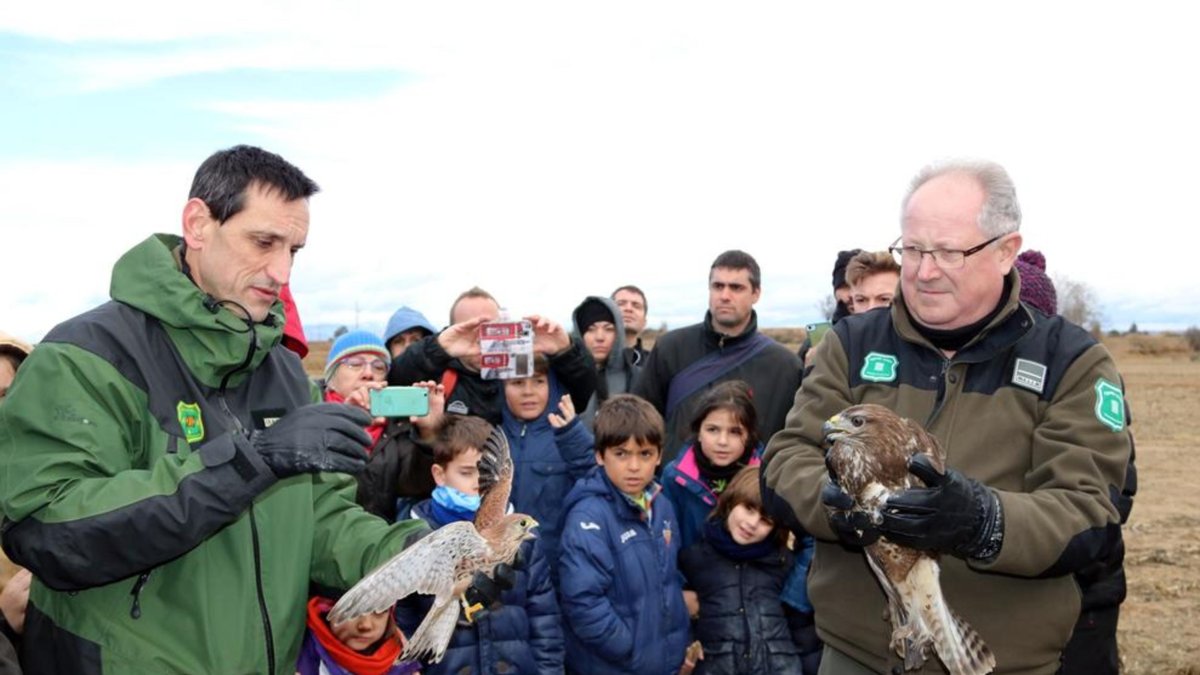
(870, 454)
(443, 563)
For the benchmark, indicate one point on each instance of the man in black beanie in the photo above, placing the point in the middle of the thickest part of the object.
(841, 296)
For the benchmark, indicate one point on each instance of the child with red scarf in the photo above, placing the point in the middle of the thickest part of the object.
(367, 645)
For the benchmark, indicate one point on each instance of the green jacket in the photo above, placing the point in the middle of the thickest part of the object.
(159, 539)
(1032, 407)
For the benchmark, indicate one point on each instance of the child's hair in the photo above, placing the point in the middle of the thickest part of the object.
(541, 365)
(626, 416)
(734, 396)
(744, 489)
(456, 435)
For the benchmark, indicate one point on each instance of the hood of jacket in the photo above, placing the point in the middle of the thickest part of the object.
(614, 367)
(514, 426)
(214, 344)
(595, 483)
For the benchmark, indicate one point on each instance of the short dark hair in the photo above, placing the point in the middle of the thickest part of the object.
(222, 180)
(736, 397)
(626, 416)
(457, 434)
(745, 489)
(739, 260)
(632, 289)
(472, 292)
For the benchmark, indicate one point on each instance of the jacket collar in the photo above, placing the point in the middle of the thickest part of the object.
(717, 339)
(148, 277)
(1009, 325)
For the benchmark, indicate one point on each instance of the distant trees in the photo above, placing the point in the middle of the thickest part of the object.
(1077, 303)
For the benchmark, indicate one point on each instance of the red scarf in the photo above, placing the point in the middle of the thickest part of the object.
(356, 662)
(375, 430)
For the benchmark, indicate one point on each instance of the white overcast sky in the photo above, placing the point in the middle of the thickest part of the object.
(548, 151)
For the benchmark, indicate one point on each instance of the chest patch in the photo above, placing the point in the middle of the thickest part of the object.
(1029, 374)
(879, 367)
(191, 421)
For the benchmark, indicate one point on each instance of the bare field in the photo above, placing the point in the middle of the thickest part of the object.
(1159, 632)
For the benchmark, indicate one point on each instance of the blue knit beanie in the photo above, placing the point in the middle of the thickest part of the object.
(355, 342)
(406, 318)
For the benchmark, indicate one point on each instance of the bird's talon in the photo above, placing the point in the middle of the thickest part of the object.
(469, 610)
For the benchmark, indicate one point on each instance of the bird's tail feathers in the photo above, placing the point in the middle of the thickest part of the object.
(428, 642)
(954, 641)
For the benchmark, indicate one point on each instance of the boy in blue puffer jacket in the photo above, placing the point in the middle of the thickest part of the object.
(621, 591)
(550, 452)
(522, 632)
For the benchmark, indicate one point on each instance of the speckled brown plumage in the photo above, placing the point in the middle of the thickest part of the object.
(870, 453)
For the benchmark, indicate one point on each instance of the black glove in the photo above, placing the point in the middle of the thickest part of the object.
(853, 528)
(317, 437)
(484, 591)
(953, 514)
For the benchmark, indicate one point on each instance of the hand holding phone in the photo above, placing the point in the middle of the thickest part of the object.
(400, 402)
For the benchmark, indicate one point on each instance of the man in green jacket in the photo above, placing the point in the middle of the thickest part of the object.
(1028, 408)
(163, 471)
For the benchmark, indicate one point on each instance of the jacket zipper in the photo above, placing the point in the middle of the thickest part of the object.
(264, 612)
(941, 395)
(135, 611)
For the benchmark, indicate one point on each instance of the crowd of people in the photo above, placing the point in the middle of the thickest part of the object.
(179, 496)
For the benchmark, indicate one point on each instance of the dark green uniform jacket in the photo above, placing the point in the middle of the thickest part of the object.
(1031, 407)
(159, 539)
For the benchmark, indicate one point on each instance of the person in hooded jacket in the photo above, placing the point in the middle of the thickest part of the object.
(598, 322)
(550, 451)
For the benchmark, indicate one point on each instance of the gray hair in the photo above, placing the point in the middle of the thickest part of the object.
(1001, 213)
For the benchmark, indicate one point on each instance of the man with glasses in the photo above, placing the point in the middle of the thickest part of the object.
(1028, 408)
(397, 474)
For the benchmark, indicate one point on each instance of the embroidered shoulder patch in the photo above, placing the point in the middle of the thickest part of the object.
(879, 367)
(1030, 375)
(1110, 405)
(190, 421)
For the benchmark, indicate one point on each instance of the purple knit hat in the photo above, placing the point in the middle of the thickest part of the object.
(1036, 287)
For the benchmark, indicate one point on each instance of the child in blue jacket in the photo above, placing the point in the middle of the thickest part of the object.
(522, 633)
(724, 441)
(622, 595)
(550, 451)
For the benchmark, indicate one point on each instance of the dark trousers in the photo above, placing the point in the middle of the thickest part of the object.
(1093, 646)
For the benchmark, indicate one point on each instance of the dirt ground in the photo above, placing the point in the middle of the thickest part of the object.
(1159, 633)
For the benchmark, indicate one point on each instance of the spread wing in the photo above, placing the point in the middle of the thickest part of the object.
(495, 480)
(429, 566)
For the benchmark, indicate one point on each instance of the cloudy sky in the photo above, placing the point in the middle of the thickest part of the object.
(547, 151)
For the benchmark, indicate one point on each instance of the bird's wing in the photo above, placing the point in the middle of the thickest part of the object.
(428, 567)
(495, 480)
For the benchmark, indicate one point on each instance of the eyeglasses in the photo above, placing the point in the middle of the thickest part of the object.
(358, 363)
(945, 258)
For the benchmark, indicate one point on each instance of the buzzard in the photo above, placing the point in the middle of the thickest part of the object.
(870, 452)
(443, 563)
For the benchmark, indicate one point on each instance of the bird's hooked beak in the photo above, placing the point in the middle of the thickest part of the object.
(529, 533)
(834, 428)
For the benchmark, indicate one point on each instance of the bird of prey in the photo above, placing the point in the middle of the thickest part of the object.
(443, 563)
(871, 448)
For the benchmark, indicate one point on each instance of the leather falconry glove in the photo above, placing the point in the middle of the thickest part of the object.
(317, 437)
(853, 528)
(952, 514)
